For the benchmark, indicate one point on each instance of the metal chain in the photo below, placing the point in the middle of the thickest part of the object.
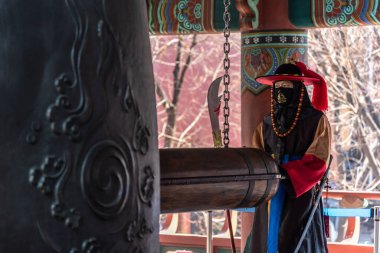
(226, 96)
(226, 77)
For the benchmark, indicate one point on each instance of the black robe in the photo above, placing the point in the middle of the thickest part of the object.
(303, 155)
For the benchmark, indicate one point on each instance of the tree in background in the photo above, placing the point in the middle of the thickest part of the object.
(184, 67)
(349, 59)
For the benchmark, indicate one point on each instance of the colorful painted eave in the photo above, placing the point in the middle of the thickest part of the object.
(206, 16)
(334, 13)
(189, 16)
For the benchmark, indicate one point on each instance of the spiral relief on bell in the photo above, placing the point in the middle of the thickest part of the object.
(105, 178)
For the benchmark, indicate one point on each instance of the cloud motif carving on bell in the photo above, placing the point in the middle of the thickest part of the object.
(105, 178)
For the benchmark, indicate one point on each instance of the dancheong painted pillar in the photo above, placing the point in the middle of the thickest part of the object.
(268, 39)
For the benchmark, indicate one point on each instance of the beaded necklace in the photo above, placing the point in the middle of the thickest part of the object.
(277, 132)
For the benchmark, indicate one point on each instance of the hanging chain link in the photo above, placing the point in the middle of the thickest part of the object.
(226, 96)
(226, 77)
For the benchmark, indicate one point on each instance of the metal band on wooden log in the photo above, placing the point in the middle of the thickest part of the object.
(216, 178)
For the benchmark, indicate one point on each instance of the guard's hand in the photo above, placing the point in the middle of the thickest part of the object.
(285, 181)
(284, 174)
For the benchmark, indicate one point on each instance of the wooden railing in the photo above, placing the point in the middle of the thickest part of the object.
(185, 242)
(358, 194)
(221, 242)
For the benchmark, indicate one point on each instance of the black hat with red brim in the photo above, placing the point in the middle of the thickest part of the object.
(271, 79)
(299, 72)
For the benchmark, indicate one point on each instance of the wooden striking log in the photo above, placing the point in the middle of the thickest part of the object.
(216, 178)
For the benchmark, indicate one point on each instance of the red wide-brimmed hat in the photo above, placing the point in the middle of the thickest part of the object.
(299, 72)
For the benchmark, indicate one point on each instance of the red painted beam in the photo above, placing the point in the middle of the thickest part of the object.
(183, 240)
(358, 194)
(346, 248)
(273, 15)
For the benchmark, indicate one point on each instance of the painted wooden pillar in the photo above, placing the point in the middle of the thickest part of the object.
(79, 154)
(261, 53)
(268, 39)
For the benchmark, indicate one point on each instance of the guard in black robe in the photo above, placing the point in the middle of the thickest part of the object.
(297, 134)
